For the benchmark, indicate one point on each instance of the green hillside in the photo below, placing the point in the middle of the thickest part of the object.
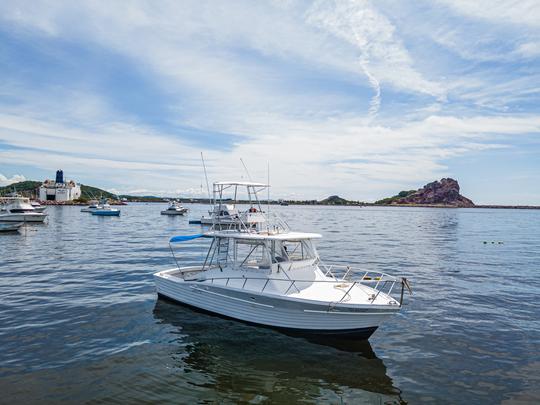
(27, 188)
(337, 200)
(390, 200)
(89, 193)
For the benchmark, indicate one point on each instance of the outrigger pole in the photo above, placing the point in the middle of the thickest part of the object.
(206, 177)
(247, 171)
(268, 195)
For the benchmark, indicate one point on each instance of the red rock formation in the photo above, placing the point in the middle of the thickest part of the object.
(444, 192)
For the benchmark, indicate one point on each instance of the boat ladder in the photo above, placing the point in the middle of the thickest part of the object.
(222, 251)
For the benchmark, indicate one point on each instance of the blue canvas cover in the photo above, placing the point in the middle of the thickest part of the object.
(183, 238)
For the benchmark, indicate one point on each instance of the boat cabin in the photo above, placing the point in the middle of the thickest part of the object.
(20, 205)
(258, 252)
(225, 210)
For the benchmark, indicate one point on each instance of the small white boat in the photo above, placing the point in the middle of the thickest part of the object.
(37, 206)
(91, 207)
(271, 276)
(175, 208)
(226, 214)
(10, 227)
(19, 209)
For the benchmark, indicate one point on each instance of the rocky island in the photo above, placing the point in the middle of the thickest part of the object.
(443, 193)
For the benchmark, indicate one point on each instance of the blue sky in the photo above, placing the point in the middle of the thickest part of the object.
(355, 98)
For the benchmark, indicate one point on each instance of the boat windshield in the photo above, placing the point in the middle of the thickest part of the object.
(258, 254)
(248, 253)
(291, 251)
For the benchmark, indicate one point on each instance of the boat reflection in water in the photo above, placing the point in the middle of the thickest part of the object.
(240, 362)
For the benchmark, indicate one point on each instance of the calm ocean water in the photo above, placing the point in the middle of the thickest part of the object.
(80, 320)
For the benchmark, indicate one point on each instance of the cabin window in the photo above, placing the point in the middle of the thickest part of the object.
(251, 254)
(290, 251)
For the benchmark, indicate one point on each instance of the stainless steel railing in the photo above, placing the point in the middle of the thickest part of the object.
(381, 283)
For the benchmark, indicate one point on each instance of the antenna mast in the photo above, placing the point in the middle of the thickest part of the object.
(206, 177)
(245, 168)
(268, 190)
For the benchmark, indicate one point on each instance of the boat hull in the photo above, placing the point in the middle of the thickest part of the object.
(361, 333)
(222, 221)
(170, 212)
(33, 217)
(295, 316)
(106, 213)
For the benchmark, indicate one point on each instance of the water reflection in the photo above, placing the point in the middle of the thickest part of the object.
(258, 364)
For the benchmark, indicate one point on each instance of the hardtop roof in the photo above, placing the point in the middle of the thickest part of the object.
(240, 183)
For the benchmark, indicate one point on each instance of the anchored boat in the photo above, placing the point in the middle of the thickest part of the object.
(225, 214)
(37, 206)
(93, 205)
(268, 275)
(19, 209)
(175, 208)
(105, 210)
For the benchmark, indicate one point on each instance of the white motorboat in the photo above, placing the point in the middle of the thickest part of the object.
(19, 209)
(10, 227)
(93, 205)
(175, 208)
(271, 276)
(226, 214)
(37, 206)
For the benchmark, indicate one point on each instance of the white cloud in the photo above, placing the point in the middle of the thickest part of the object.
(190, 47)
(529, 49)
(5, 181)
(315, 158)
(381, 54)
(502, 11)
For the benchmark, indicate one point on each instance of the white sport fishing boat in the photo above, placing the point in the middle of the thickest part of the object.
(175, 208)
(271, 276)
(19, 209)
(225, 214)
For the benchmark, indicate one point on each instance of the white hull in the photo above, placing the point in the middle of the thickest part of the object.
(274, 311)
(88, 209)
(171, 212)
(29, 217)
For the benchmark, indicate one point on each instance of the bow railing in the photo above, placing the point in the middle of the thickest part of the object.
(377, 281)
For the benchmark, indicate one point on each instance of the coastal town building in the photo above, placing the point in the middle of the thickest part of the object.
(59, 190)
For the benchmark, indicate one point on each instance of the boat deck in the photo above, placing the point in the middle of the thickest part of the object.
(320, 289)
